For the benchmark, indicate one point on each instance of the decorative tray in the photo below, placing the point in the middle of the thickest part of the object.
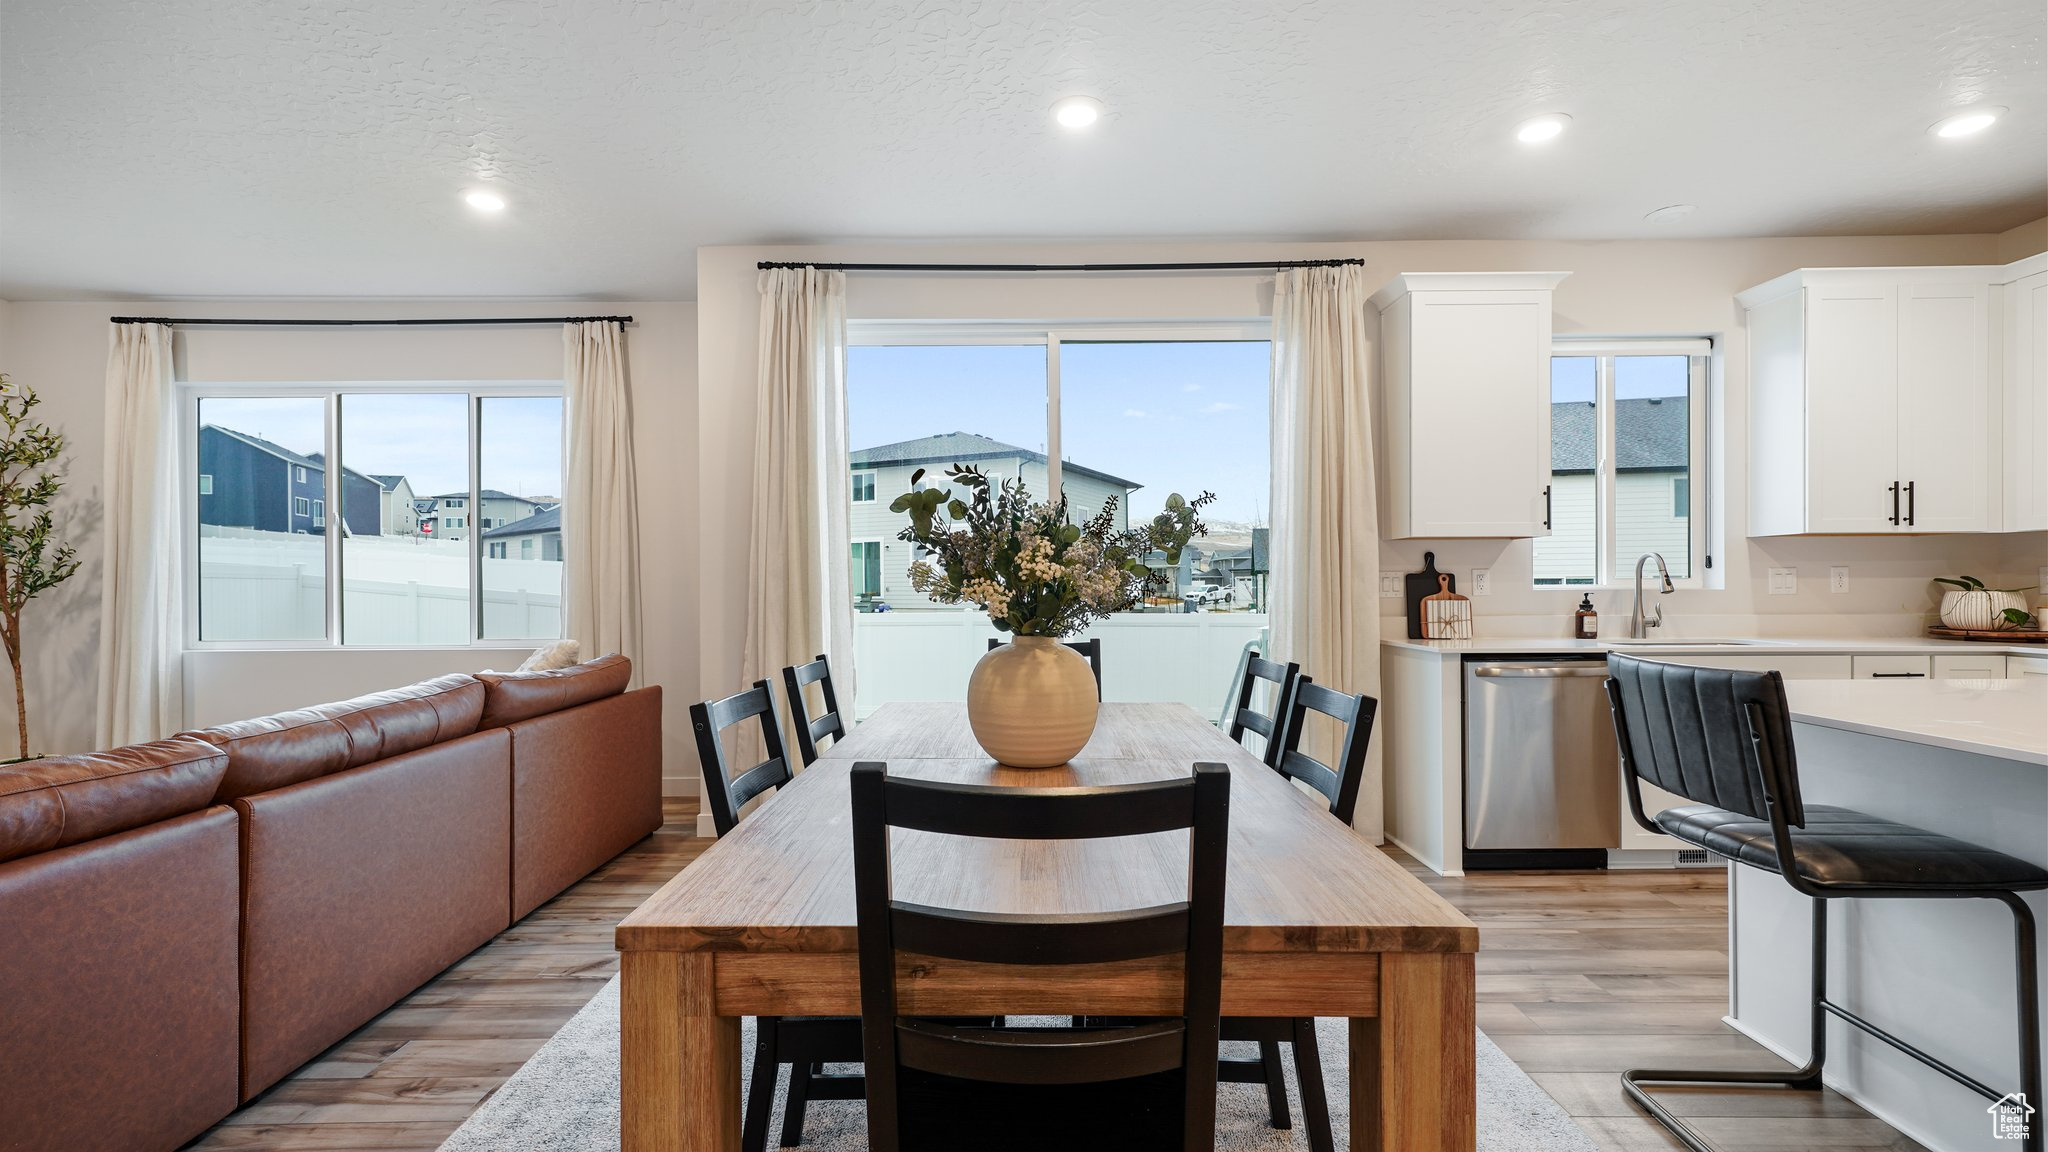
(2008, 636)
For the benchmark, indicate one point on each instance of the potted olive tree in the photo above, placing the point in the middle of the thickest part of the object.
(31, 561)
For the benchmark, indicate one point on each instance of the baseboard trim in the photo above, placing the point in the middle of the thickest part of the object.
(681, 786)
(706, 827)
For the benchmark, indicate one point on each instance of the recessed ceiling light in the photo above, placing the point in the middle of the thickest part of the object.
(1543, 128)
(1077, 112)
(1968, 123)
(484, 200)
(1671, 213)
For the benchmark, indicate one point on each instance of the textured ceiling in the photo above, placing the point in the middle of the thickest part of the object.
(319, 147)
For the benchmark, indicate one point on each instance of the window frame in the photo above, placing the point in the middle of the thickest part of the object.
(881, 588)
(1050, 335)
(330, 392)
(872, 476)
(1702, 353)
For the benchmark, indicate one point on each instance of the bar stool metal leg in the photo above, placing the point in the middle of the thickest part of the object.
(1805, 1079)
(2029, 1013)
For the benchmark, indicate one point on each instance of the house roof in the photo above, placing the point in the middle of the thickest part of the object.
(485, 494)
(390, 483)
(548, 521)
(316, 460)
(965, 447)
(1649, 436)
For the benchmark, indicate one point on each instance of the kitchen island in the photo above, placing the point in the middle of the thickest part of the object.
(1964, 758)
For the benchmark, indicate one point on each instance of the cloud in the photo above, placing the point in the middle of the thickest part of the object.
(1136, 414)
(1191, 387)
(1217, 408)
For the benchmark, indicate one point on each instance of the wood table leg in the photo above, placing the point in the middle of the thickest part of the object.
(679, 1065)
(1413, 1084)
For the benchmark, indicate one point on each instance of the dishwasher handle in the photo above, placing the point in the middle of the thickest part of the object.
(1553, 671)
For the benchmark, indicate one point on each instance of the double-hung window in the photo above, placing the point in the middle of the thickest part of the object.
(268, 565)
(1628, 457)
(1096, 412)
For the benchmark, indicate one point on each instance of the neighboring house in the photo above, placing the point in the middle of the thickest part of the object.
(881, 562)
(1652, 486)
(1181, 579)
(1242, 570)
(535, 537)
(247, 482)
(395, 506)
(457, 515)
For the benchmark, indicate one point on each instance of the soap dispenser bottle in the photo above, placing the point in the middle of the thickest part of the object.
(1585, 621)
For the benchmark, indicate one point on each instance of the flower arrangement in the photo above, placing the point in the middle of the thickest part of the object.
(1025, 564)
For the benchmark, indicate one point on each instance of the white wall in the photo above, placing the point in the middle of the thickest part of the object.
(1617, 287)
(60, 348)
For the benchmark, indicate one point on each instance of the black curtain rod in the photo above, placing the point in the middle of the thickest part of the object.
(1198, 266)
(450, 320)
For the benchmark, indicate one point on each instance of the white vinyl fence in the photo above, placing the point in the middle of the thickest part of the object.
(1189, 658)
(395, 590)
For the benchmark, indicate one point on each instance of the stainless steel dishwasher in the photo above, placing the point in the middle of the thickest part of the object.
(1542, 777)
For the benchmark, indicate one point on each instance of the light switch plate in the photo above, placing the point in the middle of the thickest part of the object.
(1784, 581)
(1838, 579)
(1390, 585)
(1482, 582)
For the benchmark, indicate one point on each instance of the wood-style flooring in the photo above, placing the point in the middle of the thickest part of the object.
(1580, 976)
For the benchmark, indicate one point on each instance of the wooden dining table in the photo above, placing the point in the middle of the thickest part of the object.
(1318, 922)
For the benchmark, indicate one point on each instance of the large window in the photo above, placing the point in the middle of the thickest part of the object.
(1130, 413)
(1627, 439)
(392, 567)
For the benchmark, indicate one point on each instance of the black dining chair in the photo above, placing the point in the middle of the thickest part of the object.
(1029, 1078)
(1092, 649)
(805, 1043)
(1339, 786)
(1244, 718)
(809, 729)
(1723, 740)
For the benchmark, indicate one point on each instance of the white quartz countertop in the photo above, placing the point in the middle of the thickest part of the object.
(2007, 719)
(1677, 645)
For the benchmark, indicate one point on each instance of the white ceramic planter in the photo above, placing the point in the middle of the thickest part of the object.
(1032, 703)
(1978, 610)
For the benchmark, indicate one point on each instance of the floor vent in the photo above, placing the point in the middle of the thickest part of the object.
(1691, 856)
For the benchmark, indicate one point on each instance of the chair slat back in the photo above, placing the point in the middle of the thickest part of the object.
(1339, 784)
(725, 791)
(810, 729)
(1192, 929)
(1091, 648)
(1268, 725)
(1712, 735)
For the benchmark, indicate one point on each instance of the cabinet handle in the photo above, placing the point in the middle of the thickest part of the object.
(1895, 501)
(1898, 675)
(1910, 502)
(1546, 507)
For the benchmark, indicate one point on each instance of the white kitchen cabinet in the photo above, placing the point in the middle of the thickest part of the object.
(1894, 666)
(2024, 395)
(1871, 402)
(1465, 403)
(1969, 666)
(2018, 666)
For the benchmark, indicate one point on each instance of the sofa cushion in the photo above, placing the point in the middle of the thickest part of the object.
(290, 747)
(586, 786)
(119, 1003)
(63, 800)
(510, 697)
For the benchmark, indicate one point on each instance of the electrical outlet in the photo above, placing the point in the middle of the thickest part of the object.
(1838, 579)
(1482, 583)
(1784, 581)
(1390, 585)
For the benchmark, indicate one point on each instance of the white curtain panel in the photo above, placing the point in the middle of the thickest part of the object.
(600, 521)
(799, 600)
(141, 686)
(1325, 546)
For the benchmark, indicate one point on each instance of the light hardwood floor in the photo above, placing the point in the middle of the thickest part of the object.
(1580, 975)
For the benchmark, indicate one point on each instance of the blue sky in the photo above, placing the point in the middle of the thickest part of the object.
(1635, 377)
(421, 436)
(1173, 417)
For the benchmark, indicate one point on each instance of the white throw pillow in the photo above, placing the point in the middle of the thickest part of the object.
(548, 657)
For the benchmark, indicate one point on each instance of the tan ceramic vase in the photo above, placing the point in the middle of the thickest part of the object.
(1031, 702)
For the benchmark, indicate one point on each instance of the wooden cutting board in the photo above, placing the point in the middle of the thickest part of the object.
(1416, 585)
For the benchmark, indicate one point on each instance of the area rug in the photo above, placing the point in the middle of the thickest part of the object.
(566, 1099)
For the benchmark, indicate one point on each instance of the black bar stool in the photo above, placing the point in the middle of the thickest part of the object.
(1723, 739)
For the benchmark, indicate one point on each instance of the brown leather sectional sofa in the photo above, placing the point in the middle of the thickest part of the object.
(185, 922)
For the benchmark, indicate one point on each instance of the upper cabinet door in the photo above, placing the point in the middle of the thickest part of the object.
(1852, 412)
(1948, 448)
(2024, 420)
